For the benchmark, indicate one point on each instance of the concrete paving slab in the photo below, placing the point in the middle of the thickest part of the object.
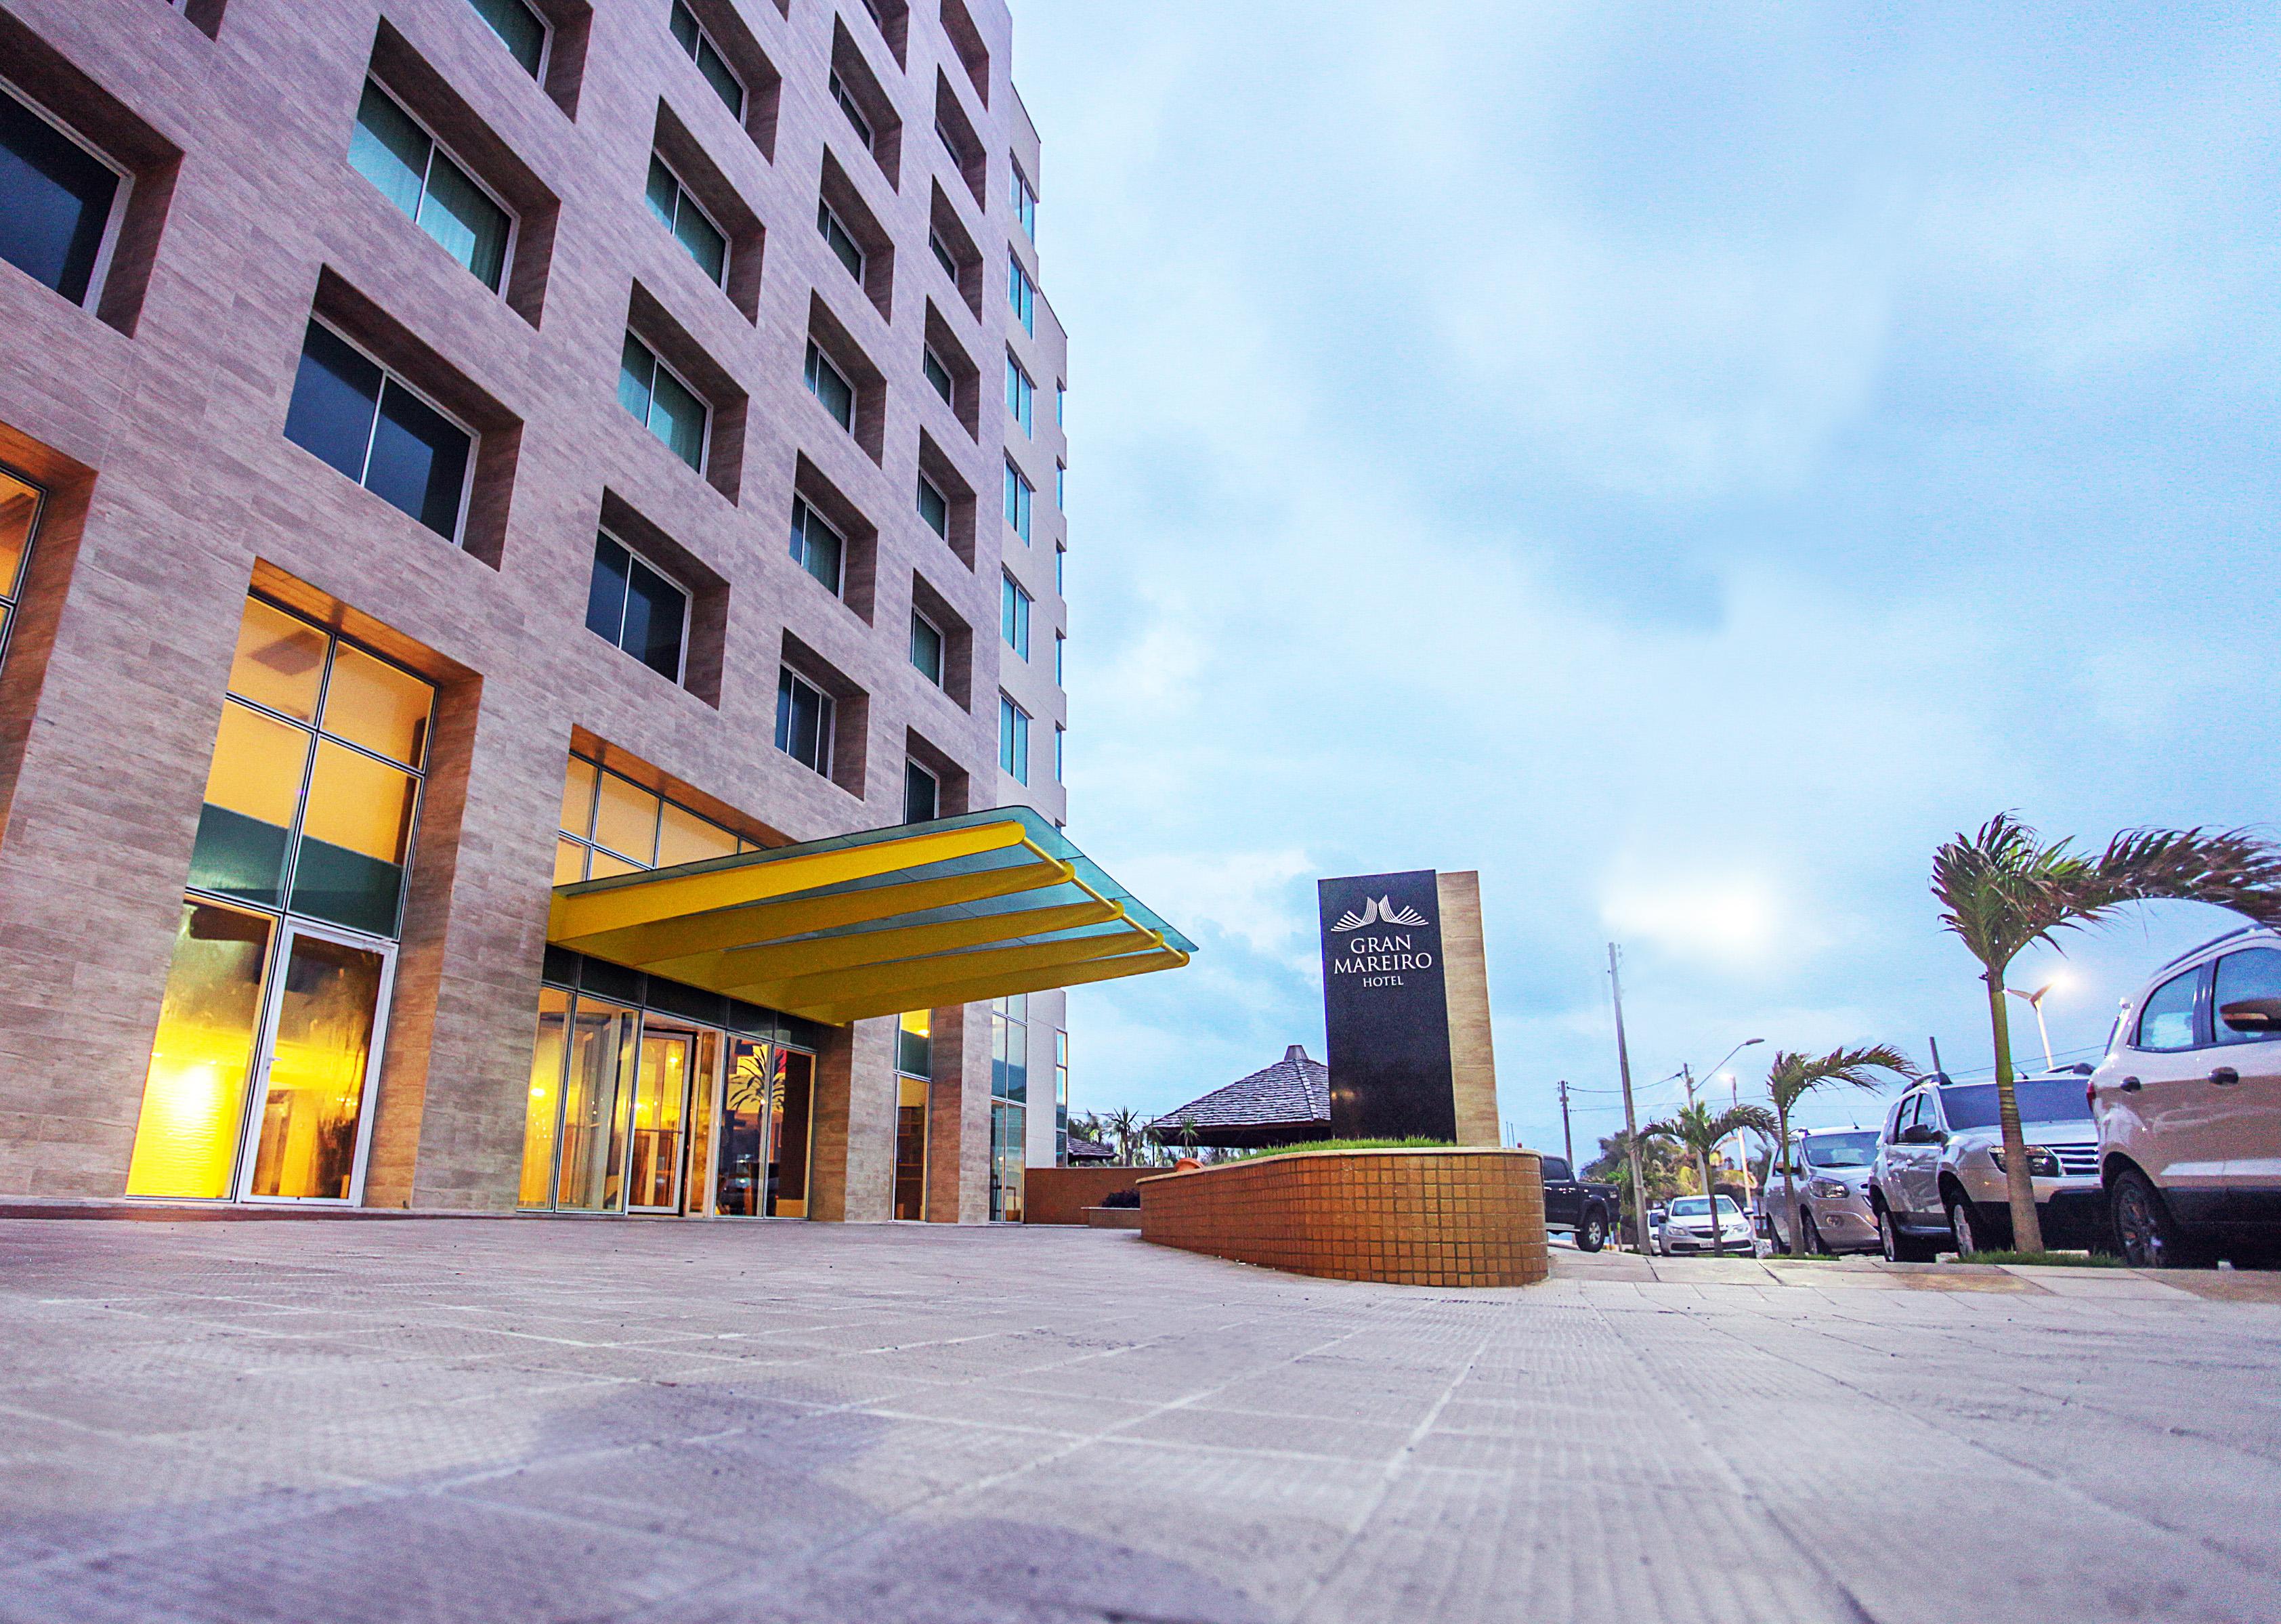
(501, 1421)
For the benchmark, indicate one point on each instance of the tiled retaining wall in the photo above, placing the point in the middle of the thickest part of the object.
(1060, 1195)
(1413, 1217)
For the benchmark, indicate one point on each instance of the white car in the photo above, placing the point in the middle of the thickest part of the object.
(2188, 1107)
(1829, 1173)
(1686, 1228)
(1938, 1185)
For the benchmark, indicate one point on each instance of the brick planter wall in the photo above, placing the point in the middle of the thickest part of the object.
(1459, 1218)
(1060, 1195)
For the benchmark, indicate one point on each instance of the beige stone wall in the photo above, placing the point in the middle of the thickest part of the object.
(1411, 1217)
(1465, 987)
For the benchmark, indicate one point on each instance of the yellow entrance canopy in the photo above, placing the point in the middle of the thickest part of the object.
(913, 917)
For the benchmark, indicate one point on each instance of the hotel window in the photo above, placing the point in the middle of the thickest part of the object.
(19, 521)
(1061, 558)
(1018, 492)
(804, 721)
(934, 507)
(1060, 402)
(1060, 1095)
(816, 547)
(1014, 615)
(634, 606)
(60, 203)
(1021, 295)
(926, 648)
(1013, 740)
(922, 795)
(690, 34)
(938, 376)
(1060, 733)
(1060, 487)
(1009, 1048)
(350, 412)
(520, 28)
(692, 226)
(914, 1068)
(942, 254)
(269, 1029)
(845, 98)
(839, 240)
(1061, 642)
(611, 825)
(830, 386)
(1025, 203)
(1021, 394)
(393, 150)
(662, 403)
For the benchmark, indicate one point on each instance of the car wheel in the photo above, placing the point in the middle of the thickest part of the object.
(2143, 1228)
(1592, 1235)
(1809, 1234)
(1966, 1228)
(1899, 1247)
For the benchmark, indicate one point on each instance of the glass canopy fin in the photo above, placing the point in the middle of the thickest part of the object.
(916, 917)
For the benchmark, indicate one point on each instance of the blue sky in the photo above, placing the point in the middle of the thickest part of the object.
(1682, 462)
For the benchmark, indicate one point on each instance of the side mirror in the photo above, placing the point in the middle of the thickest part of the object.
(2257, 1017)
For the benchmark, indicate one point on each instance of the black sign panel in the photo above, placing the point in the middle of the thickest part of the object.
(1385, 1009)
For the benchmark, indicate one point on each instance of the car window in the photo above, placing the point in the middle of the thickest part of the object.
(1690, 1206)
(2167, 1020)
(2254, 972)
(1841, 1150)
(1727, 1209)
(1904, 1118)
(2041, 1098)
(1555, 1169)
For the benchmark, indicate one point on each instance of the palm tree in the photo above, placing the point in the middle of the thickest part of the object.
(1125, 1122)
(2002, 889)
(1793, 1075)
(1658, 1172)
(1701, 1133)
(1186, 1132)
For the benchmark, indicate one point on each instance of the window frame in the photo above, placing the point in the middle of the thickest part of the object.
(704, 438)
(1025, 199)
(436, 145)
(684, 197)
(2219, 1033)
(816, 354)
(1022, 293)
(688, 608)
(946, 391)
(1019, 494)
(836, 87)
(943, 256)
(705, 38)
(912, 764)
(1014, 607)
(11, 592)
(1060, 736)
(940, 674)
(1013, 737)
(825, 721)
(1021, 397)
(1061, 648)
(546, 38)
(826, 212)
(2197, 1018)
(801, 506)
(388, 375)
(98, 275)
(942, 497)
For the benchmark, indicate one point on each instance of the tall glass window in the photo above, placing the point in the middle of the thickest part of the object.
(689, 35)
(1014, 614)
(351, 413)
(19, 521)
(1021, 395)
(830, 386)
(922, 795)
(1025, 203)
(612, 825)
(1019, 491)
(839, 240)
(635, 607)
(1013, 740)
(392, 149)
(57, 201)
(1021, 295)
(934, 507)
(848, 105)
(692, 226)
(269, 1028)
(816, 546)
(1008, 1125)
(804, 721)
(926, 648)
(914, 1067)
(1060, 1097)
(662, 403)
(521, 29)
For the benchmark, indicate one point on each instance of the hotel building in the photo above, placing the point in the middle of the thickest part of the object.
(530, 611)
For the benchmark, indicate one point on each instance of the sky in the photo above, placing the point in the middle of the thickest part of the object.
(1682, 462)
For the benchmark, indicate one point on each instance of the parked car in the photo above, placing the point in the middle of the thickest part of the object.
(2187, 1105)
(1583, 1208)
(1686, 1228)
(1829, 1173)
(1937, 1185)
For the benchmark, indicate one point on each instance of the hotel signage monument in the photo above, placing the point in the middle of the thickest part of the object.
(1406, 1007)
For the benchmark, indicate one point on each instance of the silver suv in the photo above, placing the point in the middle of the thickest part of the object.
(1830, 1175)
(1686, 1228)
(2188, 1106)
(1938, 1182)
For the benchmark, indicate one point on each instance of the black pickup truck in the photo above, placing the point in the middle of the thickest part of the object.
(1583, 1208)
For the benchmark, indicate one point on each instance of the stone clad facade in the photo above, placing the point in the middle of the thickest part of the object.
(151, 417)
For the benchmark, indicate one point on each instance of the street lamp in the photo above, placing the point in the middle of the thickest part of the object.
(2035, 1000)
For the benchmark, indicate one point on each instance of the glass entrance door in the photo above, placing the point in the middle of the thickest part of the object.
(322, 1052)
(660, 1095)
(788, 1142)
(747, 1086)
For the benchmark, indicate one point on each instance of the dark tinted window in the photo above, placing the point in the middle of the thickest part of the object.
(637, 609)
(1841, 1150)
(2167, 1020)
(336, 393)
(803, 722)
(1972, 1105)
(419, 459)
(349, 414)
(922, 796)
(1555, 1169)
(55, 201)
(518, 26)
(2253, 973)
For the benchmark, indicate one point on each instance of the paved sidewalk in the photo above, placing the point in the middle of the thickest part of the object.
(494, 1422)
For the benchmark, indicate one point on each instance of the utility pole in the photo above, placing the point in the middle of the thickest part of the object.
(1631, 1121)
(1687, 1073)
(1935, 1054)
(1567, 1140)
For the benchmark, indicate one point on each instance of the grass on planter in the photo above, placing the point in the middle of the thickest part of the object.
(2062, 1260)
(1343, 1144)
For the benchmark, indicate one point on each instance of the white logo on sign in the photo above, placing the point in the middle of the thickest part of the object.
(1380, 910)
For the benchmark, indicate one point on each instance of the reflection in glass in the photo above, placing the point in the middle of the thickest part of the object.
(317, 1069)
(252, 789)
(372, 703)
(578, 798)
(625, 819)
(911, 1147)
(683, 837)
(356, 833)
(697, 1180)
(661, 1087)
(569, 862)
(787, 1185)
(19, 507)
(594, 1089)
(545, 1105)
(1007, 1125)
(738, 1172)
(194, 1096)
(279, 661)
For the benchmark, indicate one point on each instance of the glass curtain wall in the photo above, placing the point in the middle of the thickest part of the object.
(1009, 1094)
(914, 1069)
(277, 992)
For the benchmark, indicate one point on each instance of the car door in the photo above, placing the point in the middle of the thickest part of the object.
(1892, 1156)
(2247, 986)
(1564, 1202)
(2183, 1142)
(1930, 1131)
